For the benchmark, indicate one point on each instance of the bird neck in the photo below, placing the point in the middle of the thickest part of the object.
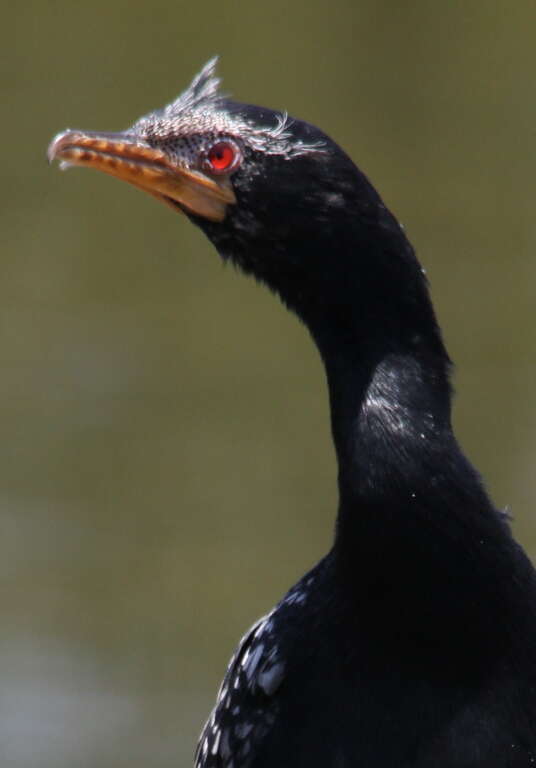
(390, 412)
(386, 364)
(404, 484)
(410, 505)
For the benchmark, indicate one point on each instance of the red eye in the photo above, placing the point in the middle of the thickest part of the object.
(222, 157)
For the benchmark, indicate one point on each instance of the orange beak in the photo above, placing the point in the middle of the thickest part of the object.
(129, 158)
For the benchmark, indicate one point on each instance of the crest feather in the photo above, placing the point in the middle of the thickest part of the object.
(200, 111)
(202, 93)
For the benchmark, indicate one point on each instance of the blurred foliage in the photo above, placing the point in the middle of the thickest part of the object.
(167, 469)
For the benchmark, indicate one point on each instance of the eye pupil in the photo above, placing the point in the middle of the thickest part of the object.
(221, 156)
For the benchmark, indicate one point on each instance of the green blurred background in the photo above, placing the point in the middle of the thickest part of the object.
(166, 464)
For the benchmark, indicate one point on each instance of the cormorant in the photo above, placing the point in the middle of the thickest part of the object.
(412, 644)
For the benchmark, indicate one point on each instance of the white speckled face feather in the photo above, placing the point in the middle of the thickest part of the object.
(197, 118)
(192, 153)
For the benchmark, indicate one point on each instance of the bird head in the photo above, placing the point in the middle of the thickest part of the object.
(274, 194)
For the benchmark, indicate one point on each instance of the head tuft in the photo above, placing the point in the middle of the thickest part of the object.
(202, 93)
(203, 111)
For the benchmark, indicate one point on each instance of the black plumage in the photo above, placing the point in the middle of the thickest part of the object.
(412, 644)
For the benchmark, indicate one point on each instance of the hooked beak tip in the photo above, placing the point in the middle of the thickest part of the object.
(55, 146)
